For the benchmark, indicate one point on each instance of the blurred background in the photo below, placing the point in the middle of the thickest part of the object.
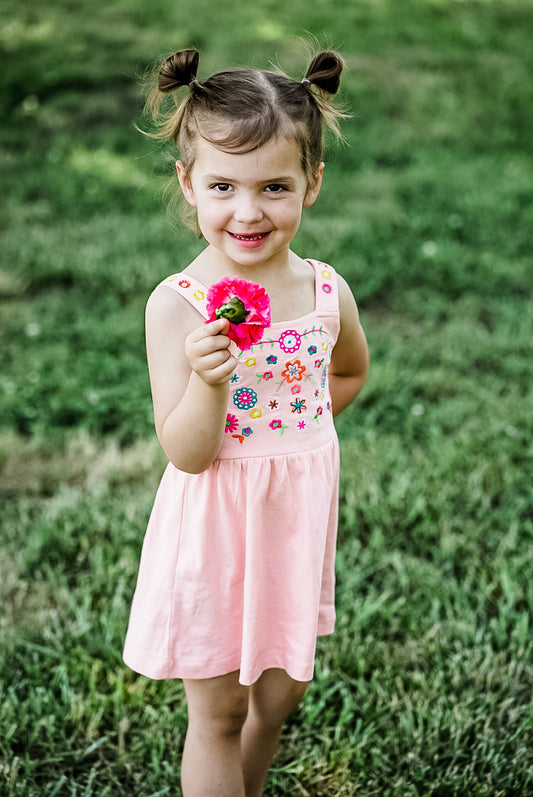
(425, 688)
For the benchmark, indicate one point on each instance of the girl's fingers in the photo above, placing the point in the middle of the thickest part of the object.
(216, 368)
(215, 359)
(210, 336)
(207, 350)
(217, 326)
(225, 369)
(212, 329)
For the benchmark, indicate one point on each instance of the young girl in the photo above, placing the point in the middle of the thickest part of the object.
(236, 577)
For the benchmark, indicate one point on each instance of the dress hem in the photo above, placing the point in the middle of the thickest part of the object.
(303, 675)
(172, 669)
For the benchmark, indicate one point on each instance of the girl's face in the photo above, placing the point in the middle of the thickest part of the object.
(249, 205)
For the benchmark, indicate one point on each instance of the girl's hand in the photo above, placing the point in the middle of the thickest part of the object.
(207, 352)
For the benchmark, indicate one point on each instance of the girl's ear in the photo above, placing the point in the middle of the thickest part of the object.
(185, 184)
(313, 189)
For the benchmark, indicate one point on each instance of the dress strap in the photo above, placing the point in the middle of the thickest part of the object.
(326, 289)
(191, 289)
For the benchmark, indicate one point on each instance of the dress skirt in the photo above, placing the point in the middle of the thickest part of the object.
(237, 568)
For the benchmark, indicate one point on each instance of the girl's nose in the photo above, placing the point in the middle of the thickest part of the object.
(248, 210)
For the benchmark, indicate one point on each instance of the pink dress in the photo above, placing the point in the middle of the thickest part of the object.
(237, 566)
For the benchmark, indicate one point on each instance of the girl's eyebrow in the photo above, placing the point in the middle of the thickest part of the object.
(287, 180)
(215, 178)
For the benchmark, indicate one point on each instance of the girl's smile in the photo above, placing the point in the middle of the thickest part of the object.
(249, 204)
(251, 240)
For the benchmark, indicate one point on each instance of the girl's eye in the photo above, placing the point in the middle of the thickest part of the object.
(222, 188)
(275, 188)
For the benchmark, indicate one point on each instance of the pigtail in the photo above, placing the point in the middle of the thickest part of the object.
(324, 71)
(322, 81)
(178, 70)
(164, 108)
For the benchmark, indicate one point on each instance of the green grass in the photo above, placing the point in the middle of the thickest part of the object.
(425, 688)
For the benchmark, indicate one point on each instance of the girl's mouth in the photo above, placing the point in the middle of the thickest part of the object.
(250, 240)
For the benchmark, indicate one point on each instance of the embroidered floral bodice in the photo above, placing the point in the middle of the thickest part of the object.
(279, 401)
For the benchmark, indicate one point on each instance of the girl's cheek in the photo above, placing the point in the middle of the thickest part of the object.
(217, 219)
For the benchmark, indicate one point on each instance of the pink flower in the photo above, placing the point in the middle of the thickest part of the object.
(277, 424)
(256, 304)
(232, 423)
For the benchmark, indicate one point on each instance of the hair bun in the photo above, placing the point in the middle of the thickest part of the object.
(325, 71)
(178, 70)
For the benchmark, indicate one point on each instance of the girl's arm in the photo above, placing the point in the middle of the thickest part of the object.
(190, 367)
(348, 369)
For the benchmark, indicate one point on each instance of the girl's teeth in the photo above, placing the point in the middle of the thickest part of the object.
(249, 237)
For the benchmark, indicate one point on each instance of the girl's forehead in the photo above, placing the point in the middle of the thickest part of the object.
(279, 156)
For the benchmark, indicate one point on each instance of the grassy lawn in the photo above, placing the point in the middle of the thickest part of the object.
(426, 686)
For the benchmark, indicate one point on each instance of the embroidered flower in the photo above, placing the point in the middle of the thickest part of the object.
(301, 426)
(268, 375)
(255, 414)
(232, 423)
(184, 284)
(326, 274)
(277, 424)
(298, 405)
(318, 363)
(325, 345)
(290, 341)
(326, 288)
(235, 379)
(273, 404)
(248, 431)
(312, 349)
(293, 371)
(272, 359)
(247, 303)
(250, 361)
(319, 411)
(199, 295)
(295, 389)
(245, 398)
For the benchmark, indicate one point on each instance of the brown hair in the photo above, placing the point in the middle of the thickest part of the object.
(239, 110)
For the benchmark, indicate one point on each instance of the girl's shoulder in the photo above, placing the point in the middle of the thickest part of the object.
(345, 291)
(169, 311)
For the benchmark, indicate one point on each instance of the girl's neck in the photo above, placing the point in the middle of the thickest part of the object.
(290, 285)
(210, 266)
